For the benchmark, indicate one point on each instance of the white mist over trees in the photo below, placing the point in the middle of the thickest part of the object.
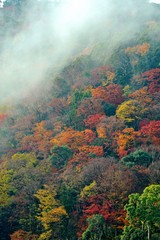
(79, 120)
(44, 35)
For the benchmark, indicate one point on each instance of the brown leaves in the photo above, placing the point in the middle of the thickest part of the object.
(111, 94)
(141, 49)
(73, 139)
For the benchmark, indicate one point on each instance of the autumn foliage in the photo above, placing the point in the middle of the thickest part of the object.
(75, 160)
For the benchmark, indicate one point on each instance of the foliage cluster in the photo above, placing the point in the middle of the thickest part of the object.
(83, 163)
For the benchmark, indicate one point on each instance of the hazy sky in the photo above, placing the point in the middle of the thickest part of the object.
(50, 36)
(154, 1)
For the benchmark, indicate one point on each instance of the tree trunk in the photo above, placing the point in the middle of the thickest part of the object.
(149, 237)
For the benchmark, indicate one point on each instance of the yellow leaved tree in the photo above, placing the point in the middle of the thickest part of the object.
(88, 191)
(6, 189)
(52, 214)
(130, 111)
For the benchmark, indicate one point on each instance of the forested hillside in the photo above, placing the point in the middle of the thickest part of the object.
(80, 158)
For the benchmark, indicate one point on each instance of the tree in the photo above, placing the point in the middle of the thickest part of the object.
(122, 65)
(107, 129)
(143, 214)
(3, 116)
(148, 78)
(88, 190)
(114, 94)
(154, 172)
(59, 106)
(61, 88)
(23, 235)
(138, 56)
(60, 156)
(96, 228)
(153, 77)
(151, 132)
(109, 109)
(102, 75)
(27, 177)
(140, 49)
(85, 154)
(73, 139)
(93, 120)
(77, 97)
(113, 182)
(68, 196)
(6, 188)
(139, 157)
(52, 214)
(99, 205)
(143, 97)
(111, 94)
(90, 106)
(130, 111)
(39, 142)
(92, 151)
(125, 141)
(23, 160)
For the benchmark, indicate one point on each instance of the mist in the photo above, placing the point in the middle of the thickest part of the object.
(49, 33)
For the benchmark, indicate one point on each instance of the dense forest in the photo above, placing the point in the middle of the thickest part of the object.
(80, 159)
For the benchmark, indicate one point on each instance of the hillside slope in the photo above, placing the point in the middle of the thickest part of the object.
(79, 154)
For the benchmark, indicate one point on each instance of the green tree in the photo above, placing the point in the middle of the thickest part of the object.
(96, 228)
(60, 156)
(121, 63)
(77, 97)
(68, 197)
(138, 157)
(143, 214)
(109, 109)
